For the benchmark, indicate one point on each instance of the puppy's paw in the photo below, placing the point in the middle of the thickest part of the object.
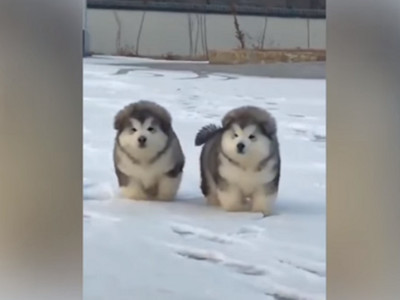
(231, 200)
(133, 193)
(213, 200)
(168, 188)
(263, 203)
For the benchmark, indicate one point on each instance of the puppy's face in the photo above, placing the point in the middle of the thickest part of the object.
(245, 144)
(144, 139)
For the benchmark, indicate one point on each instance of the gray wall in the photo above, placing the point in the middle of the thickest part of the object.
(116, 32)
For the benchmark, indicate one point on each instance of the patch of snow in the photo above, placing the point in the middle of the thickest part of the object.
(186, 249)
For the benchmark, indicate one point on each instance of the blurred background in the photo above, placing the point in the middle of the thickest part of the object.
(191, 29)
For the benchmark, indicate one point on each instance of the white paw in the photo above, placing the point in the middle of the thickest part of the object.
(231, 200)
(134, 193)
(168, 188)
(263, 203)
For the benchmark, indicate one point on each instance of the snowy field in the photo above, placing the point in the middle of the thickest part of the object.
(186, 250)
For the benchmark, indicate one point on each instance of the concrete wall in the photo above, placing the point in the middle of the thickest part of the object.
(116, 32)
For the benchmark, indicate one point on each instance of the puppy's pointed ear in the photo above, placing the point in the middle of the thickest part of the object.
(165, 125)
(122, 117)
(228, 119)
(269, 127)
(118, 123)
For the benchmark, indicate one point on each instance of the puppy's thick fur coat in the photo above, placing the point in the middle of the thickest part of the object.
(148, 157)
(240, 161)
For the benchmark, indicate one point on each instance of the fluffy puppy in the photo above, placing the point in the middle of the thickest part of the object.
(148, 157)
(240, 161)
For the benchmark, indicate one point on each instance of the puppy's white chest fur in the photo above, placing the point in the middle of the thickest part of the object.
(246, 179)
(147, 174)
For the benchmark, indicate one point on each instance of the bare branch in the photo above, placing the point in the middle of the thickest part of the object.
(239, 34)
(118, 38)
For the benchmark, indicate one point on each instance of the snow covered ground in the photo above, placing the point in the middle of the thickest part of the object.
(186, 250)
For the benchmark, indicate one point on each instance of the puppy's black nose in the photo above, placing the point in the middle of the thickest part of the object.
(240, 147)
(142, 139)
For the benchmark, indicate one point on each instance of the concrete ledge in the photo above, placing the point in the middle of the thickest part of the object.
(265, 56)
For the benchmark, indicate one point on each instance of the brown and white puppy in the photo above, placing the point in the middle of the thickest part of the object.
(240, 161)
(148, 157)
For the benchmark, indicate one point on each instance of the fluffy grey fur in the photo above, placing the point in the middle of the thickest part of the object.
(210, 136)
(172, 151)
(142, 110)
(247, 115)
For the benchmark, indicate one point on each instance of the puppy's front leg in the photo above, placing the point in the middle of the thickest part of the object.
(230, 199)
(263, 201)
(168, 187)
(133, 190)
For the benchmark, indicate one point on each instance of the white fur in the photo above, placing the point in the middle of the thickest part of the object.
(261, 202)
(147, 174)
(245, 180)
(248, 180)
(133, 191)
(231, 199)
(156, 140)
(255, 149)
(168, 188)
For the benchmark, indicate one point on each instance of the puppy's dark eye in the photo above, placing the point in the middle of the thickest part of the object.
(235, 135)
(133, 129)
(151, 129)
(252, 136)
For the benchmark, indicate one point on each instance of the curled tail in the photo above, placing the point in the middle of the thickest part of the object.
(205, 133)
